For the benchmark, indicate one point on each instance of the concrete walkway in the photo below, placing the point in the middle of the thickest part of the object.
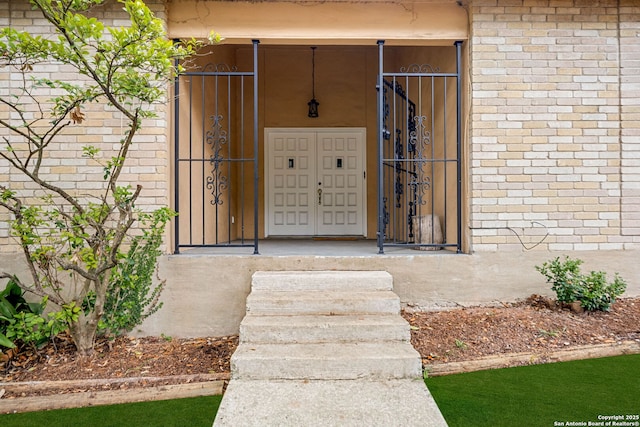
(325, 348)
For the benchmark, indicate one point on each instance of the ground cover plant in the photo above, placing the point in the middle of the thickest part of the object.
(24, 321)
(541, 395)
(192, 412)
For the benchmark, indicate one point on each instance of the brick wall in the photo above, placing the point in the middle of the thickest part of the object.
(4, 114)
(148, 164)
(630, 116)
(555, 88)
(554, 141)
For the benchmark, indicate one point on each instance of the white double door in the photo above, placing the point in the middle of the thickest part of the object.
(315, 182)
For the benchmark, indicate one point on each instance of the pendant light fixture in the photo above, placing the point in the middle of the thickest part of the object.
(313, 104)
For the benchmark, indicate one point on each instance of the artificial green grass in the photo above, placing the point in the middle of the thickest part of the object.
(541, 395)
(555, 394)
(190, 412)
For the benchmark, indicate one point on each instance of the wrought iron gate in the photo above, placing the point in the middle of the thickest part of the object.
(419, 156)
(216, 156)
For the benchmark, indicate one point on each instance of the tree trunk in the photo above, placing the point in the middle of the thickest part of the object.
(84, 330)
(83, 333)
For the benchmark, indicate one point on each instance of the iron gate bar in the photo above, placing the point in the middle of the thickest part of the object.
(256, 179)
(176, 132)
(458, 45)
(407, 166)
(215, 182)
(380, 115)
(444, 140)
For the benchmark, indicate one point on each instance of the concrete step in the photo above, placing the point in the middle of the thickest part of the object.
(325, 348)
(323, 328)
(288, 303)
(330, 361)
(321, 280)
(357, 403)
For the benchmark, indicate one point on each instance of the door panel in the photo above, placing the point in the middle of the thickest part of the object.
(291, 162)
(341, 179)
(315, 182)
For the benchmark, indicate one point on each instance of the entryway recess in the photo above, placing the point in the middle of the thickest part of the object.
(311, 181)
(315, 182)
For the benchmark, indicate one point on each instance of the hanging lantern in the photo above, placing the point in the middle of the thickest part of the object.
(313, 104)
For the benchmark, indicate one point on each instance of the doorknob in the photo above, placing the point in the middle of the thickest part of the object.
(319, 196)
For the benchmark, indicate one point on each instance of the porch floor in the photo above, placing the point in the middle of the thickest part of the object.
(313, 247)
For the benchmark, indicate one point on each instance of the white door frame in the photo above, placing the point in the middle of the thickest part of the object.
(314, 169)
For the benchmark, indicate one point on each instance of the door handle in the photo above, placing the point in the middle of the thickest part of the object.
(319, 196)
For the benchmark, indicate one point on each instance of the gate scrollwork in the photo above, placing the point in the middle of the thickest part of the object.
(420, 139)
(217, 182)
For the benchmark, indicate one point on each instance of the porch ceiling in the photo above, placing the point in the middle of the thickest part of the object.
(430, 22)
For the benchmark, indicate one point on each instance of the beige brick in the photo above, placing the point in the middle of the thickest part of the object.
(75, 173)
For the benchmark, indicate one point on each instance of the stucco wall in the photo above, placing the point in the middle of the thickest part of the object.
(341, 22)
(206, 295)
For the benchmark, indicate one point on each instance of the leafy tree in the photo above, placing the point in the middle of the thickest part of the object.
(73, 242)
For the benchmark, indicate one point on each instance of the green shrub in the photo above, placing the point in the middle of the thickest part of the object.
(564, 276)
(23, 322)
(591, 290)
(12, 303)
(132, 295)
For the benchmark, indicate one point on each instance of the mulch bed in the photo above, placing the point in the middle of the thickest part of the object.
(532, 326)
